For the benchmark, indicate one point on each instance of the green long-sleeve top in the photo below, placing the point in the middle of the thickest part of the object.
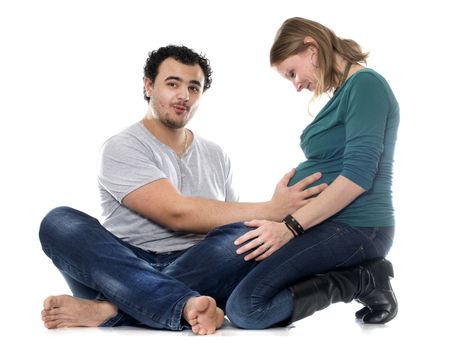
(354, 136)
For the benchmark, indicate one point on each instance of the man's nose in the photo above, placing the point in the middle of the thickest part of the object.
(184, 94)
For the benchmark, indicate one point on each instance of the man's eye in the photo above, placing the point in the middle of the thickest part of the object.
(194, 89)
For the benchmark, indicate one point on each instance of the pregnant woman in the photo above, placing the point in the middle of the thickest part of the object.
(333, 248)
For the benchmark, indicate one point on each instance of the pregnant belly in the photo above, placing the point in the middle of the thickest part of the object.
(329, 172)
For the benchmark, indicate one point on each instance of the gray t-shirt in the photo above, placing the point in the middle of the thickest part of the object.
(134, 158)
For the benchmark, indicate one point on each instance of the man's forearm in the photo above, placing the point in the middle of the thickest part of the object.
(162, 203)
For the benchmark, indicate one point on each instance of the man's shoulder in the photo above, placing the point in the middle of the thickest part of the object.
(130, 138)
(133, 131)
(130, 134)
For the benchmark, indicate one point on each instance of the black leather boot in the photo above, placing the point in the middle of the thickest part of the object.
(380, 301)
(367, 283)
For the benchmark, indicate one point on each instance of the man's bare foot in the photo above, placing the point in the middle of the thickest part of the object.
(203, 315)
(67, 311)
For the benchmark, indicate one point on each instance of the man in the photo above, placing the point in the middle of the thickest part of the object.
(162, 189)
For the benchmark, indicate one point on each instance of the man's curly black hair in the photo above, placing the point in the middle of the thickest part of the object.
(181, 54)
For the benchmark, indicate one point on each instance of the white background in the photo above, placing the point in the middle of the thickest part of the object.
(71, 76)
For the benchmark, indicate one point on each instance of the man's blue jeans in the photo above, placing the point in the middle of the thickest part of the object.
(262, 298)
(148, 289)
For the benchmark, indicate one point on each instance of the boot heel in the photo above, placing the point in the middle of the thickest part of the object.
(381, 267)
(388, 266)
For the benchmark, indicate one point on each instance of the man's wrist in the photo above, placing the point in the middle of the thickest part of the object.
(275, 211)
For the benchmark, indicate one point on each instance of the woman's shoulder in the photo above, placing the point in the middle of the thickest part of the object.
(367, 78)
(371, 85)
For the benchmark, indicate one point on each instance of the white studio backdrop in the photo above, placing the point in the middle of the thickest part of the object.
(71, 76)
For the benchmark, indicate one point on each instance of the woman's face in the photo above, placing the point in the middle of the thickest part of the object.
(301, 69)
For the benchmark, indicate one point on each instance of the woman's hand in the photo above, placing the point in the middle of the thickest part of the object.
(265, 240)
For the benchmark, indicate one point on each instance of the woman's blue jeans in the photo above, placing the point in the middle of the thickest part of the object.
(149, 289)
(262, 299)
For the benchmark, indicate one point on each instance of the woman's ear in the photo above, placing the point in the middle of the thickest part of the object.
(310, 42)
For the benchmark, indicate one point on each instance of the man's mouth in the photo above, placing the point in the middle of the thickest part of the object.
(180, 108)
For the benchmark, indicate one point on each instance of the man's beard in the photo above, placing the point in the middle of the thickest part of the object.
(170, 122)
(174, 124)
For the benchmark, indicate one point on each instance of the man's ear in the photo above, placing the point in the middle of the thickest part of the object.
(148, 86)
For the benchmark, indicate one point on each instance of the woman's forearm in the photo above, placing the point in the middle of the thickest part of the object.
(336, 197)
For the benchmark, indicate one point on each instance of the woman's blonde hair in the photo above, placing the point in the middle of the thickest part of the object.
(289, 41)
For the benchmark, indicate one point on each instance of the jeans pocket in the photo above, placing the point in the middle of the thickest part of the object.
(378, 240)
(355, 258)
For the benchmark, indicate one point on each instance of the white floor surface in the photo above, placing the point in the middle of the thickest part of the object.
(419, 324)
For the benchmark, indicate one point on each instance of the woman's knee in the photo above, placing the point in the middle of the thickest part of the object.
(244, 311)
(241, 315)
